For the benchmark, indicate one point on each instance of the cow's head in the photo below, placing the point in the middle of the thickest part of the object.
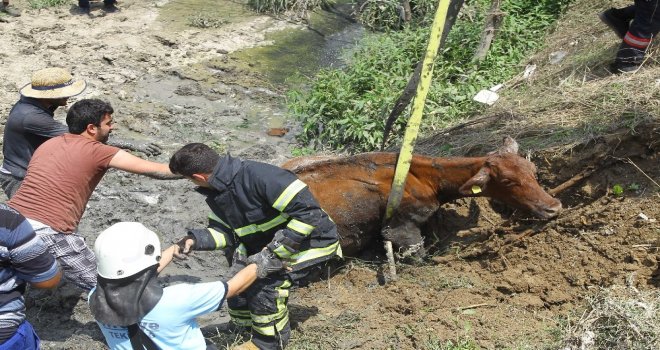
(511, 179)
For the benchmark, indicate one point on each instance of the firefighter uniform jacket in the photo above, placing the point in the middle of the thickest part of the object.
(250, 201)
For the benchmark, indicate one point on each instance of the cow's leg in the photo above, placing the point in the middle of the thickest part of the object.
(407, 240)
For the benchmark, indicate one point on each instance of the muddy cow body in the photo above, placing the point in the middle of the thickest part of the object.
(354, 191)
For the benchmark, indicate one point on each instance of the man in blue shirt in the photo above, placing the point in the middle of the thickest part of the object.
(24, 258)
(135, 312)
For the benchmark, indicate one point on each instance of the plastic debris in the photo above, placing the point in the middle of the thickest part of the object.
(488, 96)
(529, 71)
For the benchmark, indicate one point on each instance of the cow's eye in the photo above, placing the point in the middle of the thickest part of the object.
(507, 182)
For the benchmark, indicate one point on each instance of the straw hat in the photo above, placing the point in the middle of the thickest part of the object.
(53, 83)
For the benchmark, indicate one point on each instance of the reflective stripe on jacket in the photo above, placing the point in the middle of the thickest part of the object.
(250, 201)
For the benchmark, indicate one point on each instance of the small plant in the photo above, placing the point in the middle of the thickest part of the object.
(617, 190)
(634, 187)
(302, 151)
(40, 4)
(205, 21)
(434, 343)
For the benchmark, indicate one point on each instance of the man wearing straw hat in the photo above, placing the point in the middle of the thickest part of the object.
(30, 123)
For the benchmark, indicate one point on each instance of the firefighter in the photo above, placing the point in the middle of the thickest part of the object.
(636, 24)
(258, 209)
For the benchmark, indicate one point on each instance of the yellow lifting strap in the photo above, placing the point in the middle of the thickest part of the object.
(409, 138)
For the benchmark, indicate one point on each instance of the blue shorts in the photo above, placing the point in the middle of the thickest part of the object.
(24, 339)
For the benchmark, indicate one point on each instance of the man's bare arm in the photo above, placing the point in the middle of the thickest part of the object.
(128, 162)
(242, 280)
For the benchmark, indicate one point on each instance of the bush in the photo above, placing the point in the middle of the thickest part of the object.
(297, 7)
(388, 14)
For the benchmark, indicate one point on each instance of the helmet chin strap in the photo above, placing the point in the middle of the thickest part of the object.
(125, 301)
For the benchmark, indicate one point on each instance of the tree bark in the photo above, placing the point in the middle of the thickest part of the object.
(493, 23)
(407, 13)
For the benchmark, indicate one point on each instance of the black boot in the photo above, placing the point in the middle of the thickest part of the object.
(628, 59)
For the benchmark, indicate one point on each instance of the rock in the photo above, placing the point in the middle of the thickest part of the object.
(557, 56)
(56, 45)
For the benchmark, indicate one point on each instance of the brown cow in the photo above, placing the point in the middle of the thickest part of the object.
(354, 191)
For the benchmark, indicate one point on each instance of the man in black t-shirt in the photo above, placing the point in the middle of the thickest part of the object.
(30, 122)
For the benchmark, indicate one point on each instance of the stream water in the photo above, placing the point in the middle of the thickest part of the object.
(287, 60)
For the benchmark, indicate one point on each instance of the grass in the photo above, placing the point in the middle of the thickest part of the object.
(616, 318)
(40, 4)
(293, 8)
(461, 344)
(566, 104)
(201, 20)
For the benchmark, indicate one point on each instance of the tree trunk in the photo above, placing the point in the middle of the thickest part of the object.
(493, 22)
(407, 13)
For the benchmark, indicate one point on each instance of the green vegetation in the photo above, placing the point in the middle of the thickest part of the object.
(202, 20)
(346, 109)
(386, 14)
(461, 344)
(40, 4)
(297, 7)
(617, 190)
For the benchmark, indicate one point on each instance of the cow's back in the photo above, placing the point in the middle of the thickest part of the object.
(352, 190)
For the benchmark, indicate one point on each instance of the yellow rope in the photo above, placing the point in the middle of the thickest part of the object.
(405, 156)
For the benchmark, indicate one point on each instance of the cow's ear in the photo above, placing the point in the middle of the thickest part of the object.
(509, 145)
(476, 184)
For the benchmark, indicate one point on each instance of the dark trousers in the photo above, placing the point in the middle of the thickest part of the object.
(85, 3)
(645, 16)
(10, 184)
(263, 306)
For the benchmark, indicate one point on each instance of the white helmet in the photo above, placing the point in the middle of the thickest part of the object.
(125, 249)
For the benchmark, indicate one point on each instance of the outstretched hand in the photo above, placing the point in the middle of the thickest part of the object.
(185, 247)
(148, 148)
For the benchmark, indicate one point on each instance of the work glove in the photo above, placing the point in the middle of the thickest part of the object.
(291, 244)
(267, 263)
(238, 262)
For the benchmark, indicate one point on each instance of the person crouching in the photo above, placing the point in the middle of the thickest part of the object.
(135, 312)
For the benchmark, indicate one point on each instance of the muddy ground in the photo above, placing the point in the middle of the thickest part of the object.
(497, 277)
